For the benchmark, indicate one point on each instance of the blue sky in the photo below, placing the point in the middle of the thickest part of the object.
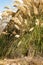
(4, 3)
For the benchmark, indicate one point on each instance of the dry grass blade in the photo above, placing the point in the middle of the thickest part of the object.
(23, 9)
(17, 27)
(20, 18)
(26, 2)
(35, 10)
(7, 7)
(16, 20)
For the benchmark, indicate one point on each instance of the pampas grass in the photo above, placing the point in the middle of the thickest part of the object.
(26, 30)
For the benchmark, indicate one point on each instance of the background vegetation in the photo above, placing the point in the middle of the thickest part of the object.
(23, 34)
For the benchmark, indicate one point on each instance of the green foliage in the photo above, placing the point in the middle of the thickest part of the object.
(29, 43)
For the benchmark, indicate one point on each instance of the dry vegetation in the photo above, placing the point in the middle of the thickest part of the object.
(23, 34)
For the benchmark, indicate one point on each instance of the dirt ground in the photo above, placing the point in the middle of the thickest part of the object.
(23, 61)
